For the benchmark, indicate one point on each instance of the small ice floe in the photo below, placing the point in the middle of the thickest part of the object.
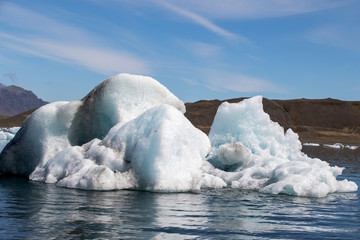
(351, 147)
(335, 145)
(311, 144)
(340, 146)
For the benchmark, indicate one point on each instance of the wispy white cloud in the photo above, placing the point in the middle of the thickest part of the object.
(94, 58)
(220, 80)
(255, 9)
(44, 37)
(35, 23)
(204, 13)
(204, 22)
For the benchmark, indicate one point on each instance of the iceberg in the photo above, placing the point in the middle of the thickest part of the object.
(59, 125)
(130, 132)
(249, 151)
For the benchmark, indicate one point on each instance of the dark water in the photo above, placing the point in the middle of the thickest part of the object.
(42, 211)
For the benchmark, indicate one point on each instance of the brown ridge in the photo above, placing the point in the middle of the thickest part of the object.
(14, 121)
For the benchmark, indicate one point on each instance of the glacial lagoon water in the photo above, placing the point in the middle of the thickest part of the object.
(33, 210)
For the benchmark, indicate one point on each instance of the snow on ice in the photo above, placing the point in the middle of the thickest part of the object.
(130, 133)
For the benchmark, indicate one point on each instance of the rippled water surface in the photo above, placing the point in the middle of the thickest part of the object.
(43, 211)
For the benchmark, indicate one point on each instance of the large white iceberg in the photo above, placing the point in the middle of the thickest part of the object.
(59, 125)
(130, 133)
(253, 152)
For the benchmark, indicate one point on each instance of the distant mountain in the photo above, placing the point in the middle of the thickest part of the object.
(15, 100)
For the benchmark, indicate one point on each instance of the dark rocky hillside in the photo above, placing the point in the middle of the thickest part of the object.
(322, 119)
(15, 100)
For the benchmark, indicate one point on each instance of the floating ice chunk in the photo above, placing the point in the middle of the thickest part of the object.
(57, 126)
(158, 151)
(351, 147)
(311, 144)
(276, 164)
(335, 145)
(340, 146)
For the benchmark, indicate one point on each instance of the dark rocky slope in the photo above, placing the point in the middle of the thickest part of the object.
(15, 100)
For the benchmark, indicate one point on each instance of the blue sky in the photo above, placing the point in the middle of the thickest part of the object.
(214, 49)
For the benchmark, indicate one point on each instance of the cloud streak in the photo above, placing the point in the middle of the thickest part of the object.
(256, 9)
(202, 21)
(47, 38)
(94, 58)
